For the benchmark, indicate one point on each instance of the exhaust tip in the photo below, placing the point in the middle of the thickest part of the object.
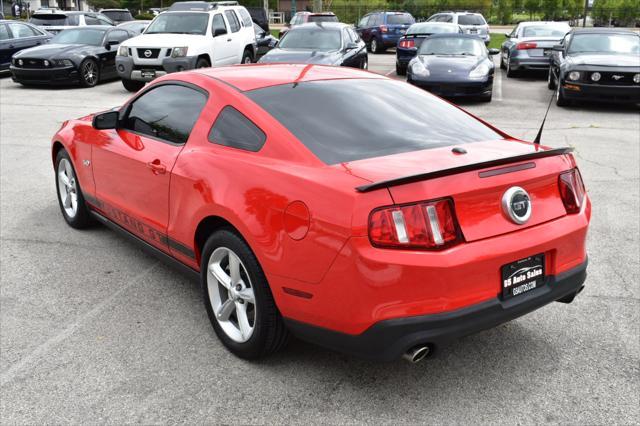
(417, 353)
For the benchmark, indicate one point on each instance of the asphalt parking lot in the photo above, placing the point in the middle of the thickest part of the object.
(94, 330)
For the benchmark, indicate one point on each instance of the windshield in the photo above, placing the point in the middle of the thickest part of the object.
(73, 36)
(557, 31)
(179, 23)
(400, 19)
(452, 46)
(54, 20)
(471, 20)
(333, 118)
(311, 39)
(432, 29)
(116, 15)
(605, 43)
(323, 18)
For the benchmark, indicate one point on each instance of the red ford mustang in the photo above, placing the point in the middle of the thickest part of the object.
(348, 209)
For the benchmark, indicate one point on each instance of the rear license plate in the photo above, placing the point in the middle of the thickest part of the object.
(547, 52)
(148, 73)
(403, 31)
(522, 276)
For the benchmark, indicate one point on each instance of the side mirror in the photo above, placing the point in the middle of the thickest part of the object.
(106, 120)
(351, 45)
(107, 46)
(558, 48)
(219, 31)
(493, 51)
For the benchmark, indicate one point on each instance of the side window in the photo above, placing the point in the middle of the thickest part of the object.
(117, 37)
(234, 24)
(4, 33)
(446, 18)
(354, 35)
(246, 18)
(91, 20)
(235, 130)
(103, 20)
(167, 112)
(375, 20)
(218, 23)
(21, 30)
(364, 21)
(434, 18)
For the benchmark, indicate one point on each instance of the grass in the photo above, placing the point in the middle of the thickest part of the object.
(496, 40)
(275, 33)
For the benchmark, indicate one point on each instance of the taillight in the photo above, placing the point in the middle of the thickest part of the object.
(407, 44)
(572, 190)
(526, 45)
(383, 28)
(429, 225)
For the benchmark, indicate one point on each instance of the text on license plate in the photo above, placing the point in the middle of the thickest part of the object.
(522, 276)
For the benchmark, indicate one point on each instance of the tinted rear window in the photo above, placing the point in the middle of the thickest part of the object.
(54, 20)
(323, 18)
(471, 20)
(400, 19)
(118, 15)
(348, 120)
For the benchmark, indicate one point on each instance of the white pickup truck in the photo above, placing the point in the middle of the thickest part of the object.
(189, 35)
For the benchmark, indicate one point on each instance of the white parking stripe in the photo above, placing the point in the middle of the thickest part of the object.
(497, 84)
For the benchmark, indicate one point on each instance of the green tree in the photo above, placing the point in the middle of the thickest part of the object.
(104, 4)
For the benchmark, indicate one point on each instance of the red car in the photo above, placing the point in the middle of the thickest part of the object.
(340, 206)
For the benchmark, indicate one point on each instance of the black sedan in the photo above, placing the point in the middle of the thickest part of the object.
(82, 56)
(454, 65)
(325, 43)
(264, 40)
(596, 65)
(16, 36)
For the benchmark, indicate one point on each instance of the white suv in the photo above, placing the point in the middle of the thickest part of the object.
(189, 35)
(471, 23)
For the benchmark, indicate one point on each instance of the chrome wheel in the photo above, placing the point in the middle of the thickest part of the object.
(365, 64)
(231, 294)
(67, 188)
(247, 59)
(90, 73)
(374, 46)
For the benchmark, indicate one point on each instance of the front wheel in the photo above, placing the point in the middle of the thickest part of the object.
(89, 73)
(365, 63)
(487, 97)
(238, 298)
(246, 57)
(132, 85)
(202, 63)
(551, 82)
(70, 198)
(561, 100)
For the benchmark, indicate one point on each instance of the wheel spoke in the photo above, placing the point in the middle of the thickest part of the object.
(243, 321)
(225, 310)
(64, 179)
(68, 171)
(234, 268)
(67, 200)
(247, 295)
(220, 275)
(74, 201)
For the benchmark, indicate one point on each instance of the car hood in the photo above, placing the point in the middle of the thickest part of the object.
(604, 60)
(450, 65)
(49, 51)
(163, 40)
(301, 56)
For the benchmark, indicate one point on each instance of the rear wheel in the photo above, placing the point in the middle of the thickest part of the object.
(246, 57)
(238, 298)
(510, 71)
(132, 85)
(375, 46)
(502, 66)
(70, 199)
(401, 69)
(89, 73)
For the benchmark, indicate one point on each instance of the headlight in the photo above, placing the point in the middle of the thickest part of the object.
(123, 51)
(480, 71)
(595, 76)
(63, 63)
(574, 75)
(20, 62)
(418, 68)
(179, 52)
(46, 63)
(636, 78)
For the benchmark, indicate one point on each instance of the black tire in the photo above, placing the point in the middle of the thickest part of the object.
(561, 100)
(365, 63)
(487, 98)
(269, 333)
(502, 66)
(510, 72)
(89, 73)
(202, 63)
(401, 69)
(82, 218)
(375, 46)
(247, 58)
(132, 85)
(551, 82)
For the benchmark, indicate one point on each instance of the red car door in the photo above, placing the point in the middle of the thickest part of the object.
(132, 167)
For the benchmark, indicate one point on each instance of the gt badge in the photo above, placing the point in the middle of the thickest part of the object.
(516, 204)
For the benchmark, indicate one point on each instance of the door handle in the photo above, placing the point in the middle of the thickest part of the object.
(229, 39)
(157, 167)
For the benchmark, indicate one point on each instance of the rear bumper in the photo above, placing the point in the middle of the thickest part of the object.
(602, 93)
(390, 40)
(530, 63)
(128, 70)
(404, 56)
(390, 339)
(46, 76)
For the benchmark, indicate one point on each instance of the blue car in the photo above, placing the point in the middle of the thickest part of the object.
(409, 44)
(382, 30)
(454, 65)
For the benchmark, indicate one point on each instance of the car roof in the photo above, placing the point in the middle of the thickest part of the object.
(304, 12)
(455, 35)
(248, 77)
(528, 23)
(323, 25)
(93, 27)
(114, 10)
(601, 30)
(444, 24)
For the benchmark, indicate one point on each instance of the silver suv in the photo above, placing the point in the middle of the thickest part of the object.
(471, 23)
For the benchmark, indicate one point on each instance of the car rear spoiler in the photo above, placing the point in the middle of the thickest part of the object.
(461, 169)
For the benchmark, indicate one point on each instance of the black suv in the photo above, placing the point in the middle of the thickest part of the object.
(381, 30)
